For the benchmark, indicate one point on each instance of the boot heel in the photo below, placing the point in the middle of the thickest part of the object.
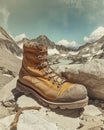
(20, 87)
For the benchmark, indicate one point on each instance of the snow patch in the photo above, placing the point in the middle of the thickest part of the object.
(74, 53)
(7, 75)
(19, 57)
(99, 52)
(20, 45)
(87, 49)
(86, 55)
(53, 51)
(63, 55)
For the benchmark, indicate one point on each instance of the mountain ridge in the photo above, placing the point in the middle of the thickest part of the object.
(7, 43)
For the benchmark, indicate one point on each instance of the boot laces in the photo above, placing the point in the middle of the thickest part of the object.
(56, 78)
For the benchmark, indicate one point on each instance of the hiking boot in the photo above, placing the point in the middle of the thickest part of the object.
(36, 77)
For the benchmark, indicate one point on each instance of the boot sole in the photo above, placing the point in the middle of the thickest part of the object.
(67, 105)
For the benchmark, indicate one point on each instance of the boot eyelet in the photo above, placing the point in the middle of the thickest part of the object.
(49, 78)
(53, 82)
(59, 85)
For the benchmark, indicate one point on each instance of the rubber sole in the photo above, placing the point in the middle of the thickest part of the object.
(62, 105)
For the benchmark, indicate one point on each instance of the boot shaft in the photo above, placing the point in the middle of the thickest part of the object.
(34, 55)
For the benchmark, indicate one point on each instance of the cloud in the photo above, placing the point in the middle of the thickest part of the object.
(95, 35)
(4, 15)
(91, 10)
(67, 43)
(20, 37)
(72, 3)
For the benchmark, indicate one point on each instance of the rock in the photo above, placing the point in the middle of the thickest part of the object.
(57, 116)
(91, 110)
(29, 120)
(2, 127)
(3, 112)
(8, 92)
(65, 119)
(25, 101)
(90, 74)
(91, 119)
(91, 126)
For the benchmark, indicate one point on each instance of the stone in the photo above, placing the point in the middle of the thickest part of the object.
(29, 120)
(24, 101)
(92, 126)
(3, 112)
(8, 92)
(63, 118)
(90, 74)
(2, 127)
(91, 110)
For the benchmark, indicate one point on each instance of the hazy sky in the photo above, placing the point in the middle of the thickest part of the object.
(58, 19)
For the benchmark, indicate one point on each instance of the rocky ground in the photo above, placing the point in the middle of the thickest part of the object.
(89, 118)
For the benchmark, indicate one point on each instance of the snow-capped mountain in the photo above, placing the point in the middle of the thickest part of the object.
(94, 49)
(90, 51)
(51, 45)
(8, 44)
(42, 39)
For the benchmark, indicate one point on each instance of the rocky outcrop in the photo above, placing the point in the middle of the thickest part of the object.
(44, 40)
(9, 66)
(90, 74)
(8, 44)
(9, 58)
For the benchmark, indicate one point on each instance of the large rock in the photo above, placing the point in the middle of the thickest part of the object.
(29, 120)
(9, 66)
(91, 110)
(8, 92)
(90, 74)
(65, 119)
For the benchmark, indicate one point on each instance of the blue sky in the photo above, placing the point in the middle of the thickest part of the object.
(58, 19)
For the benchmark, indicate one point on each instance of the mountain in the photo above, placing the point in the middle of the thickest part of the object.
(50, 44)
(9, 61)
(8, 44)
(89, 51)
(4, 35)
(44, 40)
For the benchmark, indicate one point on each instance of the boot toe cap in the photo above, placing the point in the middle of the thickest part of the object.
(75, 93)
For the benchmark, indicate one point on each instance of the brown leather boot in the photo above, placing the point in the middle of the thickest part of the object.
(38, 79)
